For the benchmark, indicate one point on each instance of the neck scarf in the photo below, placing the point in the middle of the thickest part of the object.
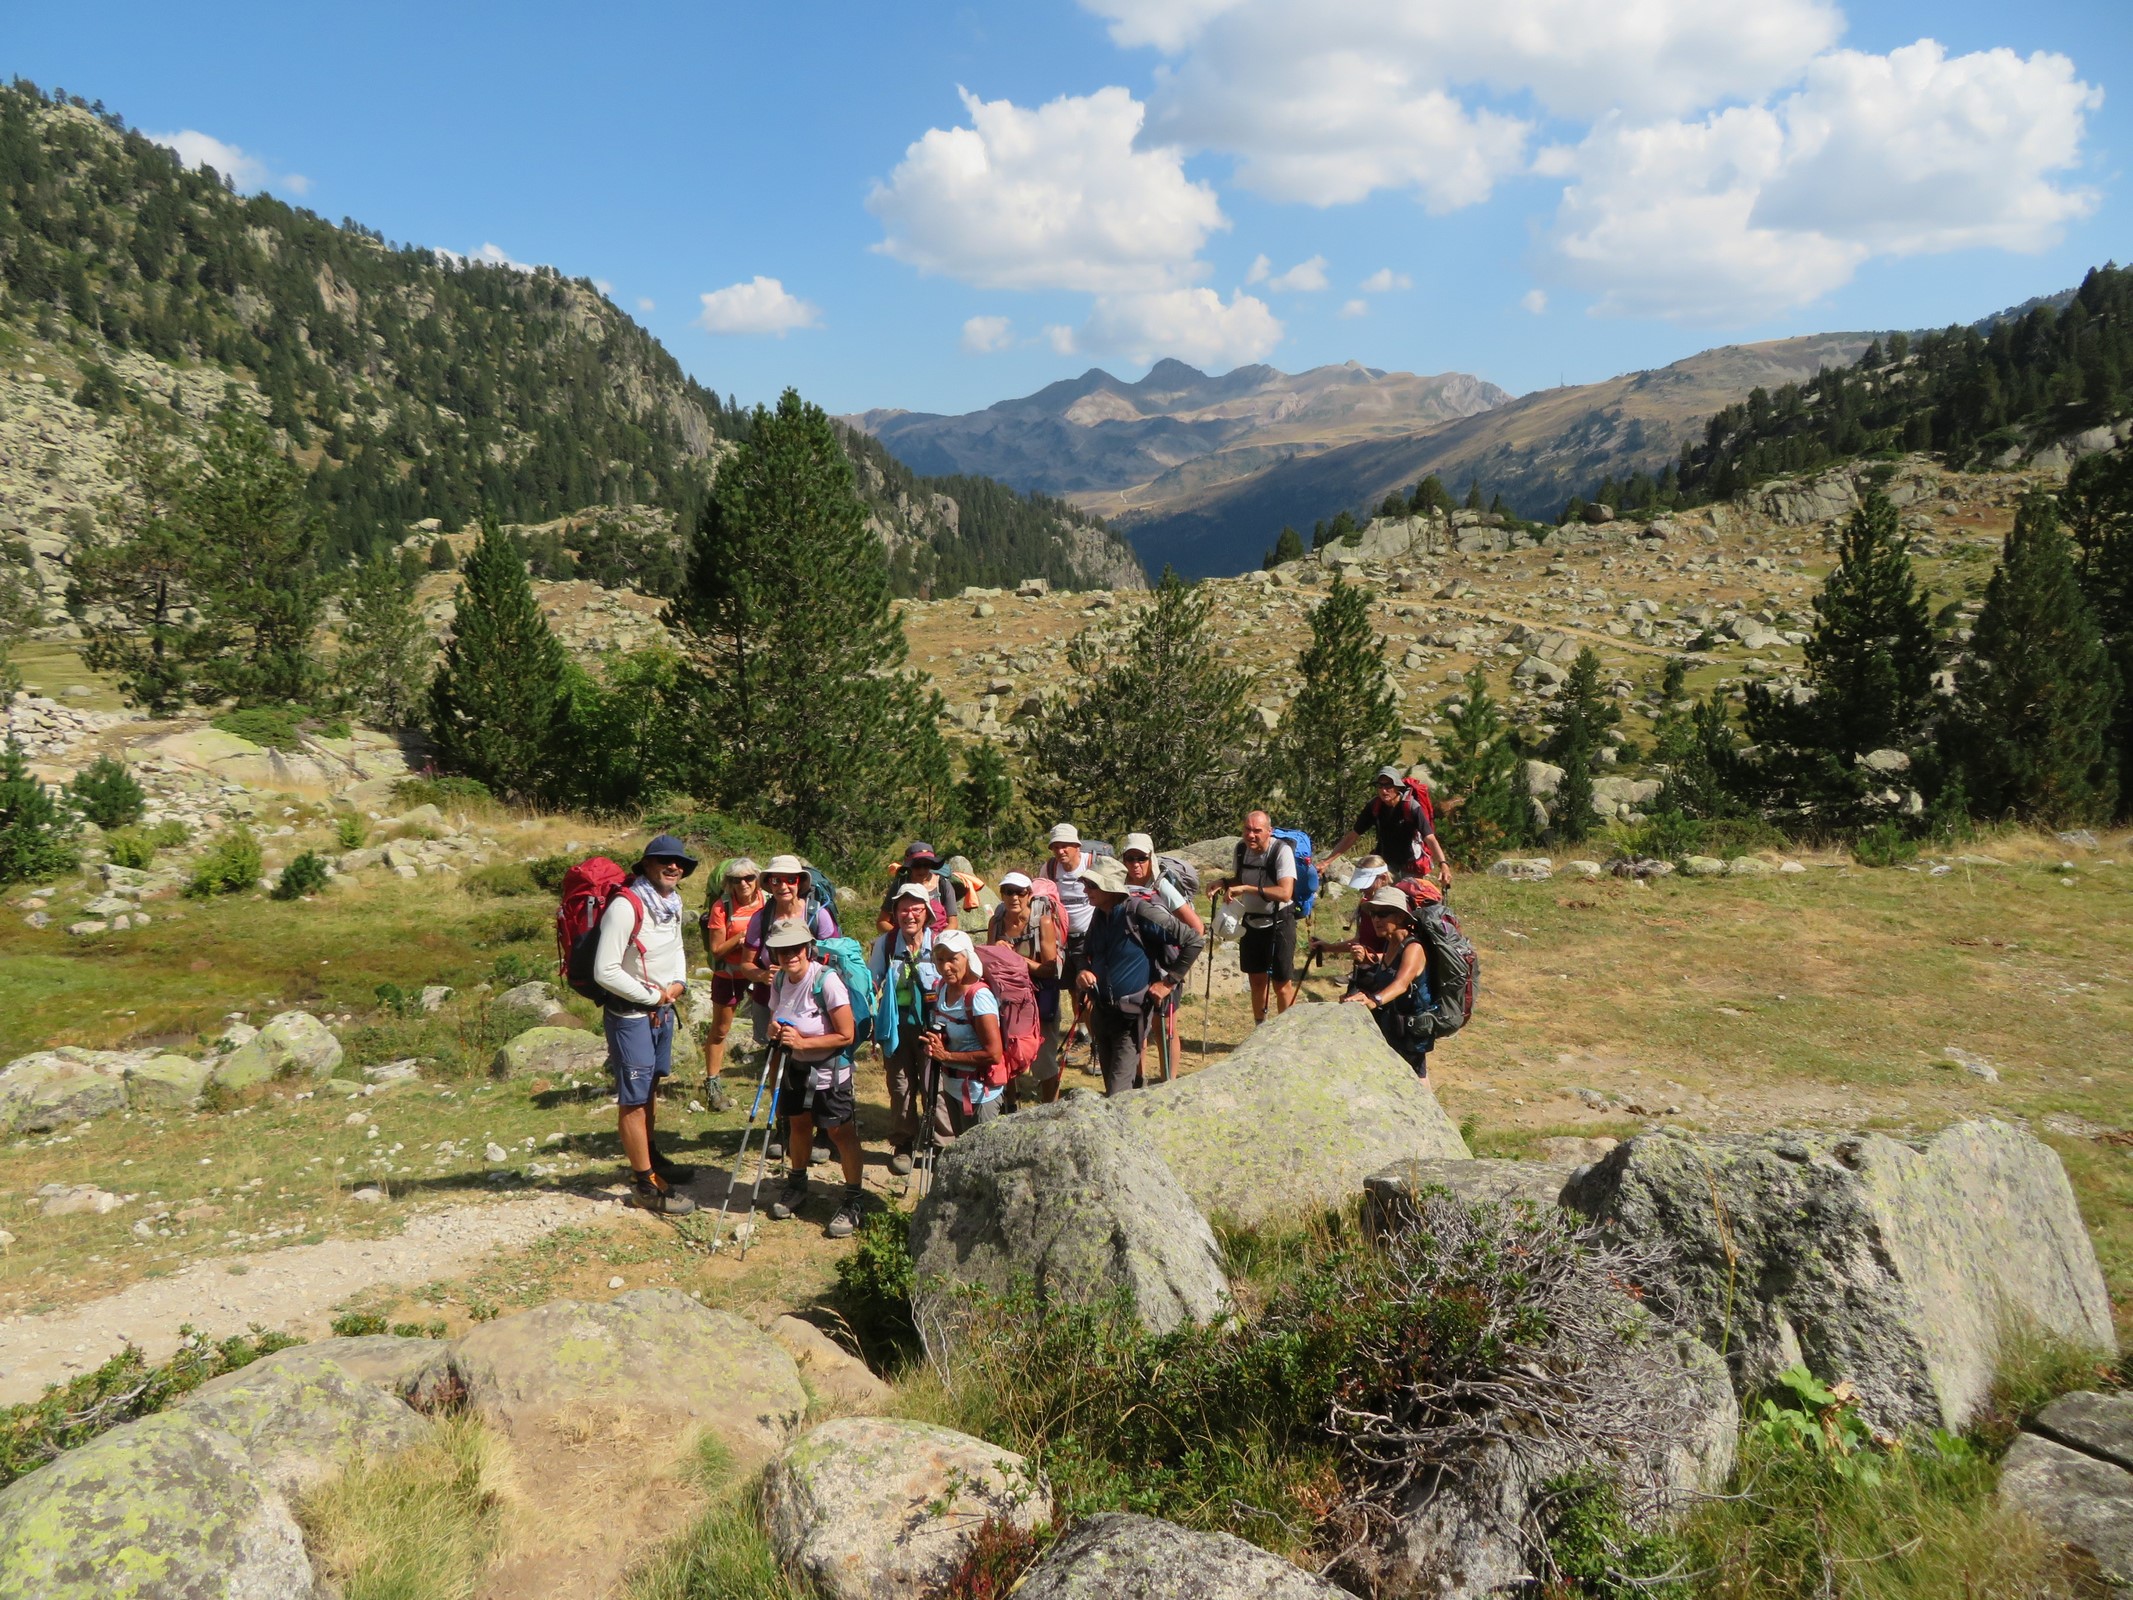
(660, 907)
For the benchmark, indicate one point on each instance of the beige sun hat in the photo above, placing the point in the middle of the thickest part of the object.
(788, 866)
(788, 933)
(1107, 873)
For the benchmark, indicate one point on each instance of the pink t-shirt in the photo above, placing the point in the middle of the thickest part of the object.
(796, 1003)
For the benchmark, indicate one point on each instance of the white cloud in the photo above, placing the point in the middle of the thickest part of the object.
(604, 286)
(1194, 325)
(1355, 308)
(1169, 25)
(1384, 281)
(1261, 269)
(489, 255)
(1534, 300)
(646, 303)
(240, 166)
(761, 305)
(1058, 197)
(1061, 338)
(983, 335)
(1757, 209)
(1306, 277)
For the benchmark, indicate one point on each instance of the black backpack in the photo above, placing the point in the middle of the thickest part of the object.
(1453, 966)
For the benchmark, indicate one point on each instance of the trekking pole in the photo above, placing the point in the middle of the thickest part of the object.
(928, 1144)
(1163, 1041)
(745, 1231)
(1207, 1004)
(740, 1156)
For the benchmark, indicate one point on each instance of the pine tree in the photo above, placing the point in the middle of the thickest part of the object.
(1344, 722)
(1430, 495)
(1473, 494)
(1154, 733)
(1490, 808)
(132, 577)
(987, 793)
(1870, 660)
(383, 664)
(802, 708)
(1289, 547)
(2098, 507)
(36, 832)
(1584, 716)
(499, 701)
(2035, 698)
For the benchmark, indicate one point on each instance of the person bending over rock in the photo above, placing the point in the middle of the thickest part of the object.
(1406, 836)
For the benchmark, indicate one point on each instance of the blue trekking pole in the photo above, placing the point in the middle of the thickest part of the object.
(741, 1156)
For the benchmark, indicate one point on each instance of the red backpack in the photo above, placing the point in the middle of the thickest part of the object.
(1021, 1031)
(589, 888)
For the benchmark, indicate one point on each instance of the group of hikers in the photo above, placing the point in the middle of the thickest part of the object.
(978, 1000)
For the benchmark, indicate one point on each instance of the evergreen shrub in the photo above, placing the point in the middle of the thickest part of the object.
(230, 866)
(106, 794)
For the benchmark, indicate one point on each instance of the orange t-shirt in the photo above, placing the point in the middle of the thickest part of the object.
(719, 925)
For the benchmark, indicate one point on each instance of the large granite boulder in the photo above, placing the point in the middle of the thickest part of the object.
(159, 1081)
(1074, 1198)
(831, 1373)
(1118, 1556)
(297, 1425)
(547, 1052)
(1896, 1266)
(2082, 1499)
(55, 1087)
(876, 1508)
(1295, 1118)
(652, 1350)
(530, 1005)
(161, 1509)
(294, 1045)
(418, 1371)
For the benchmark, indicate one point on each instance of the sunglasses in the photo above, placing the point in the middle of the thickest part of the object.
(1013, 888)
(742, 877)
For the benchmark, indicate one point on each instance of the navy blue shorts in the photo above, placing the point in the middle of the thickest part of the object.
(638, 1053)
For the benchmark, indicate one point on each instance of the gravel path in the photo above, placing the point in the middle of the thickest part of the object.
(292, 1289)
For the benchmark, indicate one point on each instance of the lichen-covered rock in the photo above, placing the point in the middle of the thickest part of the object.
(530, 1005)
(829, 1371)
(418, 1371)
(294, 1045)
(1894, 1266)
(2079, 1499)
(547, 1052)
(876, 1508)
(1118, 1556)
(55, 1087)
(2100, 1425)
(1295, 1118)
(161, 1509)
(165, 1082)
(1388, 1196)
(297, 1424)
(653, 1350)
(1073, 1197)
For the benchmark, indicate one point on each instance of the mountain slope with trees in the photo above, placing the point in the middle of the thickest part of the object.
(409, 383)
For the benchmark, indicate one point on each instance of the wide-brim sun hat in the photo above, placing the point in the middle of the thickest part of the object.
(1140, 842)
(668, 848)
(911, 891)
(1064, 833)
(1107, 873)
(955, 942)
(788, 934)
(1390, 899)
(785, 867)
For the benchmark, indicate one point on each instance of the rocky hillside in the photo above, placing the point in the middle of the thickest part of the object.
(414, 385)
(1535, 451)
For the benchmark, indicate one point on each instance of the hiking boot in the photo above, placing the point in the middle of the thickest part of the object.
(846, 1221)
(715, 1096)
(650, 1193)
(791, 1199)
(671, 1171)
(900, 1161)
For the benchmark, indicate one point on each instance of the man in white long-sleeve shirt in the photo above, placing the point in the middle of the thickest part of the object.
(642, 968)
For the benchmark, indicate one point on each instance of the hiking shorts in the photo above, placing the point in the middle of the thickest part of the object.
(831, 1108)
(1271, 950)
(727, 991)
(640, 1051)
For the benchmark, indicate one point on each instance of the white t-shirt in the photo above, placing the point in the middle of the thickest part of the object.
(1073, 893)
(618, 968)
(1272, 865)
(795, 1003)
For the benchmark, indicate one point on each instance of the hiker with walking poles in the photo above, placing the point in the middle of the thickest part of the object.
(791, 896)
(1405, 821)
(1135, 957)
(640, 967)
(902, 961)
(724, 925)
(1034, 927)
(1262, 885)
(814, 1029)
(1176, 883)
(964, 1040)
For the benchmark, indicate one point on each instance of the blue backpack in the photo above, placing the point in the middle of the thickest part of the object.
(849, 962)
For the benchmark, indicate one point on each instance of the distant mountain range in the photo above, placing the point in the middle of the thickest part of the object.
(1202, 472)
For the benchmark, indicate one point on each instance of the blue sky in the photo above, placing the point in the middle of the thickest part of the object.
(948, 205)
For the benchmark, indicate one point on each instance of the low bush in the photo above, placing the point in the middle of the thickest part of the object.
(547, 873)
(1669, 836)
(105, 793)
(501, 878)
(167, 834)
(350, 830)
(874, 1283)
(36, 832)
(230, 866)
(122, 1389)
(439, 792)
(1885, 844)
(129, 847)
(306, 875)
(515, 967)
(275, 727)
